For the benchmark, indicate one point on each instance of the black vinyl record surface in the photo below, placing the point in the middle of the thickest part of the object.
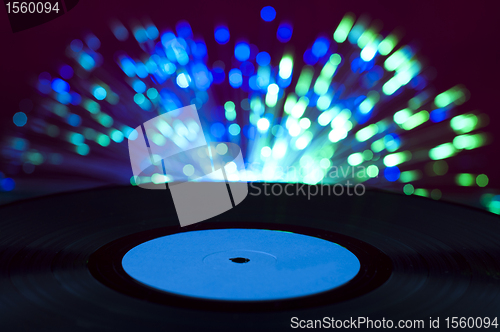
(60, 260)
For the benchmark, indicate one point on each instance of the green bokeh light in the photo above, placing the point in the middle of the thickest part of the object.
(421, 192)
(464, 123)
(469, 142)
(408, 189)
(482, 180)
(415, 120)
(440, 167)
(395, 159)
(387, 45)
(410, 176)
(436, 194)
(464, 179)
(103, 140)
(229, 106)
(342, 31)
(304, 81)
(372, 171)
(442, 151)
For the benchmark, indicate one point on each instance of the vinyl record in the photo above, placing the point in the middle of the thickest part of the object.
(63, 260)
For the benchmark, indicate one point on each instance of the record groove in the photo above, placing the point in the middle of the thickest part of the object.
(445, 259)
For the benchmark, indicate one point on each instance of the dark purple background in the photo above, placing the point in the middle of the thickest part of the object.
(458, 38)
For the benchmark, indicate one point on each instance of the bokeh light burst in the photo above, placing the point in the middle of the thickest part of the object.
(355, 101)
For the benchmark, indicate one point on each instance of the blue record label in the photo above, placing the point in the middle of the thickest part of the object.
(241, 264)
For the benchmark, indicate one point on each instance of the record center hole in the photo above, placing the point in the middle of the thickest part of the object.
(239, 260)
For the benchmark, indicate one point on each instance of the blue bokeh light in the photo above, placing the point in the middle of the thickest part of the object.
(284, 32)
(45, 77)
(242, 51)
(221, 35)
(234, 129)
(268, 13)
(360, 65)
(392, 142)
(202, 77)
(263, 58)
(247, 68)
(152, 32)
(252, 83)
(439, 115)
(309, 57)
(93, 42)
(20, 119)
(74, 120)
(141, 70)
(140, 35)
(392, 173)
(59, 85)
(200, 50)
(139, 86)
(235, 78)
(418, 82)
(86, 61)
(217, 129)
(66, 72)
(76, 45)
(76, 99)
(320, 47)
(128, 66)
(7, 184)
(249, 131)
(120, 32)
(375, 74)
(183, 29)
(99, 93)
(44, 86)
(218, 75)
(64, 98)
(167, 38)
